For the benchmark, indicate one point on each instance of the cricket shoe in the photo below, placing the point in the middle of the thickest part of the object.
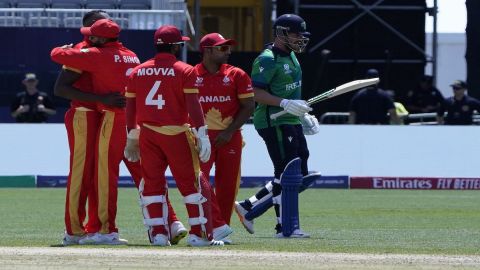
(297, 233)
(196, 241)
(103, 239)
(241, 212)
(178, 232)
(69, 240)
(161, 240)
(221, 232)
(226, 241)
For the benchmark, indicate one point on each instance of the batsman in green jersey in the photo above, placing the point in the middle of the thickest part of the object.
(277, 81)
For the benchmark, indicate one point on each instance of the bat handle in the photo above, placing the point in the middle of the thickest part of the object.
(278, 114)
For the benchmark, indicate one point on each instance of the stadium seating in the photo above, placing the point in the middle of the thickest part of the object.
(67, 4)
(101, 4)
(43, 21)
(31, 3)
(82, 4)
(12, 21)
(135, 4)
(72, 22)
(5, 4)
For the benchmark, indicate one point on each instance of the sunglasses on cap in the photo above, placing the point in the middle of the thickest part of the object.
(223, 48)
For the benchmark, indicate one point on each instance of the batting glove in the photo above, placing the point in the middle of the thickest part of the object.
(203, 143)
(132, 149)
(310, 124)
(295, 107)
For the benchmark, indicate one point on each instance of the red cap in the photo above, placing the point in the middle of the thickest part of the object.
(168, 34)
(102, 28)
(215, 39)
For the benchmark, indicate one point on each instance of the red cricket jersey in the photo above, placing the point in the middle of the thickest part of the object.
(108, 65)
(84, 82)
(219, 93)
(159, 86)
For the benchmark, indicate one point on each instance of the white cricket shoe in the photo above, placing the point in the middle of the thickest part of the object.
(298, 233)
(161, 240)
(241, 212)
(103, 239)
(196, 241)
(221, 232)
(227, 241)
(177, 232)
(69, 240)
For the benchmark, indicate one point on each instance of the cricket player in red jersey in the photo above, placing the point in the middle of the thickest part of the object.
(226, 96)
(77, 86)
(161, 97)
(103, 61)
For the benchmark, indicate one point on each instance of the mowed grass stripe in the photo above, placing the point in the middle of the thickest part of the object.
(351, 221)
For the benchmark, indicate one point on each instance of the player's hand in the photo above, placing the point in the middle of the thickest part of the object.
(114, 100)
(223, 138)
(203, 143)
(310, 124)
(132, 149)
(295, 107)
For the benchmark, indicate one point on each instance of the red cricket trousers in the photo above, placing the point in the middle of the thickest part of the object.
(227, 160)
(159, 151)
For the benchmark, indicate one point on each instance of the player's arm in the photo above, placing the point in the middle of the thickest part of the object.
(131, 96)
(86, 59)
(263, 97)
(246, 107)
(194, 108)
(132, 148)
(263, 72)
(64, 88)
(195, 112)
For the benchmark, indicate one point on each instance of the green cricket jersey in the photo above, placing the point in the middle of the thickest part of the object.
(280, 74)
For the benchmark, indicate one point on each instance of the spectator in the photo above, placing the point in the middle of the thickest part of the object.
(31, 105)
(459, 107)
(402, 112)
(425, 98)
(372, 105)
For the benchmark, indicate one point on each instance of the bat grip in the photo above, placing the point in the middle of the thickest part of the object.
(278, 114)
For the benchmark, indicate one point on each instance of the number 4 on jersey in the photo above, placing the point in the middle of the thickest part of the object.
(150, 100)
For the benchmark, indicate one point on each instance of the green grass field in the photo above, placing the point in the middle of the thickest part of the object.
(350, 221)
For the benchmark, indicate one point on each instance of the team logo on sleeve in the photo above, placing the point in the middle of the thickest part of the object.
(199, 81)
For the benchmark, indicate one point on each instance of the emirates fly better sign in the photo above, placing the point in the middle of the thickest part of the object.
(414, 183)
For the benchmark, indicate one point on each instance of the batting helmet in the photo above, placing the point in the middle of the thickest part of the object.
(291, 23)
